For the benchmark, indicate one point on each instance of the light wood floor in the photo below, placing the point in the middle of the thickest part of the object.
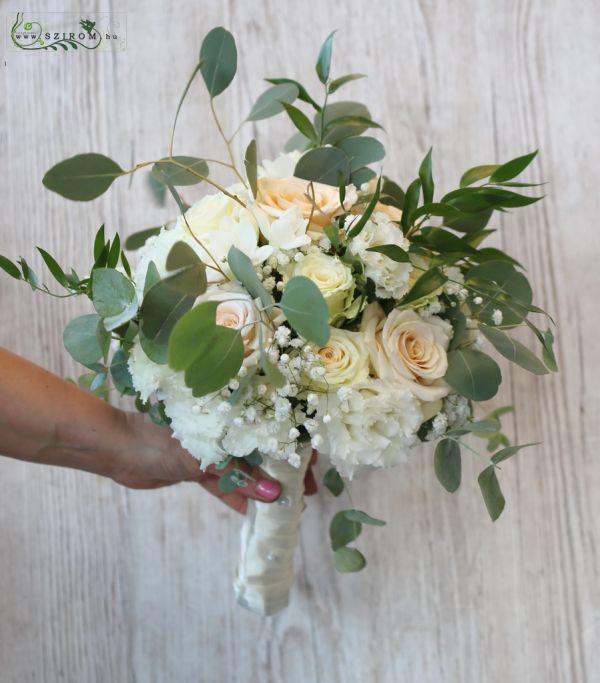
(101, 584)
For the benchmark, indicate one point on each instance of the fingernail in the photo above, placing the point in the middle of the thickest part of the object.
(268, 489)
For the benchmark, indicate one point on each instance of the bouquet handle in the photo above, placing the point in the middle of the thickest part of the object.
(269, 538)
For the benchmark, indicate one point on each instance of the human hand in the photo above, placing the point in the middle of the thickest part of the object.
(159, 460)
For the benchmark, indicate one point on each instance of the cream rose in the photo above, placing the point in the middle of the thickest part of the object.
(277, 195)
(344, 358)
(332, 277)
(237, 311)
(407, 349)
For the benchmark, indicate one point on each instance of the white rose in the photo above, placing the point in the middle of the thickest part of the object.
(344, 358)
(374, 424)
(332, 277)
(237, 311)
(286, 232)
(405, 348)
(282, 167)
(390, 277)
(218, 223)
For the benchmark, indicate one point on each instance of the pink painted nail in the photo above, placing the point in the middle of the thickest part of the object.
(268, 489)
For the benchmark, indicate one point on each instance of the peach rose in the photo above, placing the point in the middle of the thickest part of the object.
(277, 195)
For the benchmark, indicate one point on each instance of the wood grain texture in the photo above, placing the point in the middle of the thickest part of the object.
(98, 583)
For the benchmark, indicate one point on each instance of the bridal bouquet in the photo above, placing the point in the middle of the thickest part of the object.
(312, 304)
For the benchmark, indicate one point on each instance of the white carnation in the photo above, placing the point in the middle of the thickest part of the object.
(374, 426)
(390, 277)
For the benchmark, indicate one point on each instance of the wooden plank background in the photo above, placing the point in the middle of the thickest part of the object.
(98, 583)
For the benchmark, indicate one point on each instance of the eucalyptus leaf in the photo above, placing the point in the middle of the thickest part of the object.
(209, 353)
(86, 340)
(218, 60)
(251, 166)
(513, 350)
(348, 560)
(322, 165)
(363, 518)
(169, 171)
(491, 492)
(181, 255)
(306, 309)
(114, 297)
(509, 451)
(362, 151)
(82, 177)
(333, 481)
(271, 101)
(119, 372)
(447, 464)
(340, 110)
(343, 530)
(241, 266)
(473, 374)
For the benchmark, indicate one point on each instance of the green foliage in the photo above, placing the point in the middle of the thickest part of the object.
(323, 65)
(429, 282)
(306, 309)
(82, 177)
(508, 452)
(301, 122)
(349, 560)
(333, 481)
(411, 201)
(491, 492)
(114, 297)
(218, 60)
(138, 239)
(357, 228)
(363, 518)
(322, 165)
(392, 193)
(120, 374)
(392, 251)
(337, 83)
(270, 103)
(473, 374)
(512, 168)
(513, 350)
(426, 178)
(87, 340)
(169, 171)
(340, 120)
(53, 266)
(343, 530)
(447, 464)
(476, 173)
(302, 93)
(209, 354)
(241, 266)
(9, 267)
(362, 151)
(501, 287)
(251, 166)
(232, 480)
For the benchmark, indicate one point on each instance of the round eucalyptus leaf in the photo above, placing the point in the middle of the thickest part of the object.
(348, 560)
(270, 102)
(323, 165)
(218, 60)
(86, 340)
(473, 374)
(306, 309)
(82, 177)
(169, 171)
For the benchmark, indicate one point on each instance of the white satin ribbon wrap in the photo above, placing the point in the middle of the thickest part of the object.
(269, 538)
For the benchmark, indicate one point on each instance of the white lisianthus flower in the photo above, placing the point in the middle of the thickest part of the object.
(374, 424)
(318, 202)
(219, 223)
(281, 167)
(237, 310)
(406, 349)
(344, 358)
(332, 277)
(390, 277)
(286, 232)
